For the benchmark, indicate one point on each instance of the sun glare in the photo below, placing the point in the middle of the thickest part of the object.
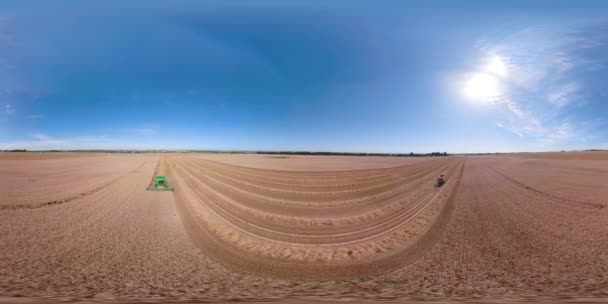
(497, 66)
(482, 88)
(484, 85)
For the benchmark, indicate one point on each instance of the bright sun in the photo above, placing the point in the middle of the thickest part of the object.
(497, 66)
(482, 87)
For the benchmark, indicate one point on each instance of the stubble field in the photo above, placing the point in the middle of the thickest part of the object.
(275, 227)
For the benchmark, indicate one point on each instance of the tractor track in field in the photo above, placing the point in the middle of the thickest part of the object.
(264, 201)
(306, 178)
(318, 250)
(156, 170)
(278, 186)
(70, 198)
(497, 231)
(308, 181)
(268, 198)
(548, 195)
(392, 182)
(332, 174)
(359, 188)
(271, 196)
(390, 221)
(321, 227)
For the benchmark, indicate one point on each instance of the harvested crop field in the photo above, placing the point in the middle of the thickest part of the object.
(268, 228)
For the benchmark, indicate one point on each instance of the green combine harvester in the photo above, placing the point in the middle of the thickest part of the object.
(160, 184)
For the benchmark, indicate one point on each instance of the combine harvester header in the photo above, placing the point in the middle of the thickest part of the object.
(160, 184)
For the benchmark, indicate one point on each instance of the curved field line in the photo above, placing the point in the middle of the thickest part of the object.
(298, 208)
(252, 212)
(328, 203)
(548, 195)
(369, 183)
(285, 176)
(312, 188)
(422, 202)
(273, 194)
(238, 260)
(219, 176)
(286, 234)
(70, 198)
(419, 207)
(317, 173)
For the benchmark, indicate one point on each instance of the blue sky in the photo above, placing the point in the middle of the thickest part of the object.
(367, 76)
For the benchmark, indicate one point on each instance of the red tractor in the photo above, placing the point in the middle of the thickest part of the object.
(441, 180)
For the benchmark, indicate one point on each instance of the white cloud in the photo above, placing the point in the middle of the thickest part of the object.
(146, 131)
(557, 135)
(40, 136)
(513, 107)
(539, 73)
(581, 42)
(35, 116)
(509, 129)
(563, 95)
(563, 63)
(42, 141)
(9, 109)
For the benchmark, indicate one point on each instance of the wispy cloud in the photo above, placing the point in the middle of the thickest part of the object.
(146, 131)
(513, 107)
(563, 63)
(514, 131)
(558, 134)
(9, 109)
(39, 141)
(40, 136)
(35, 116)
(563, 95)
(42, 141)
(545, 71)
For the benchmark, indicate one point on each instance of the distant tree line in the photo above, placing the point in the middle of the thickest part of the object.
(411, 154)
(438, 154)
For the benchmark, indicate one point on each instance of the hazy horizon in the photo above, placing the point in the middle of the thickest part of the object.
(289, 152)
(367, 77)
